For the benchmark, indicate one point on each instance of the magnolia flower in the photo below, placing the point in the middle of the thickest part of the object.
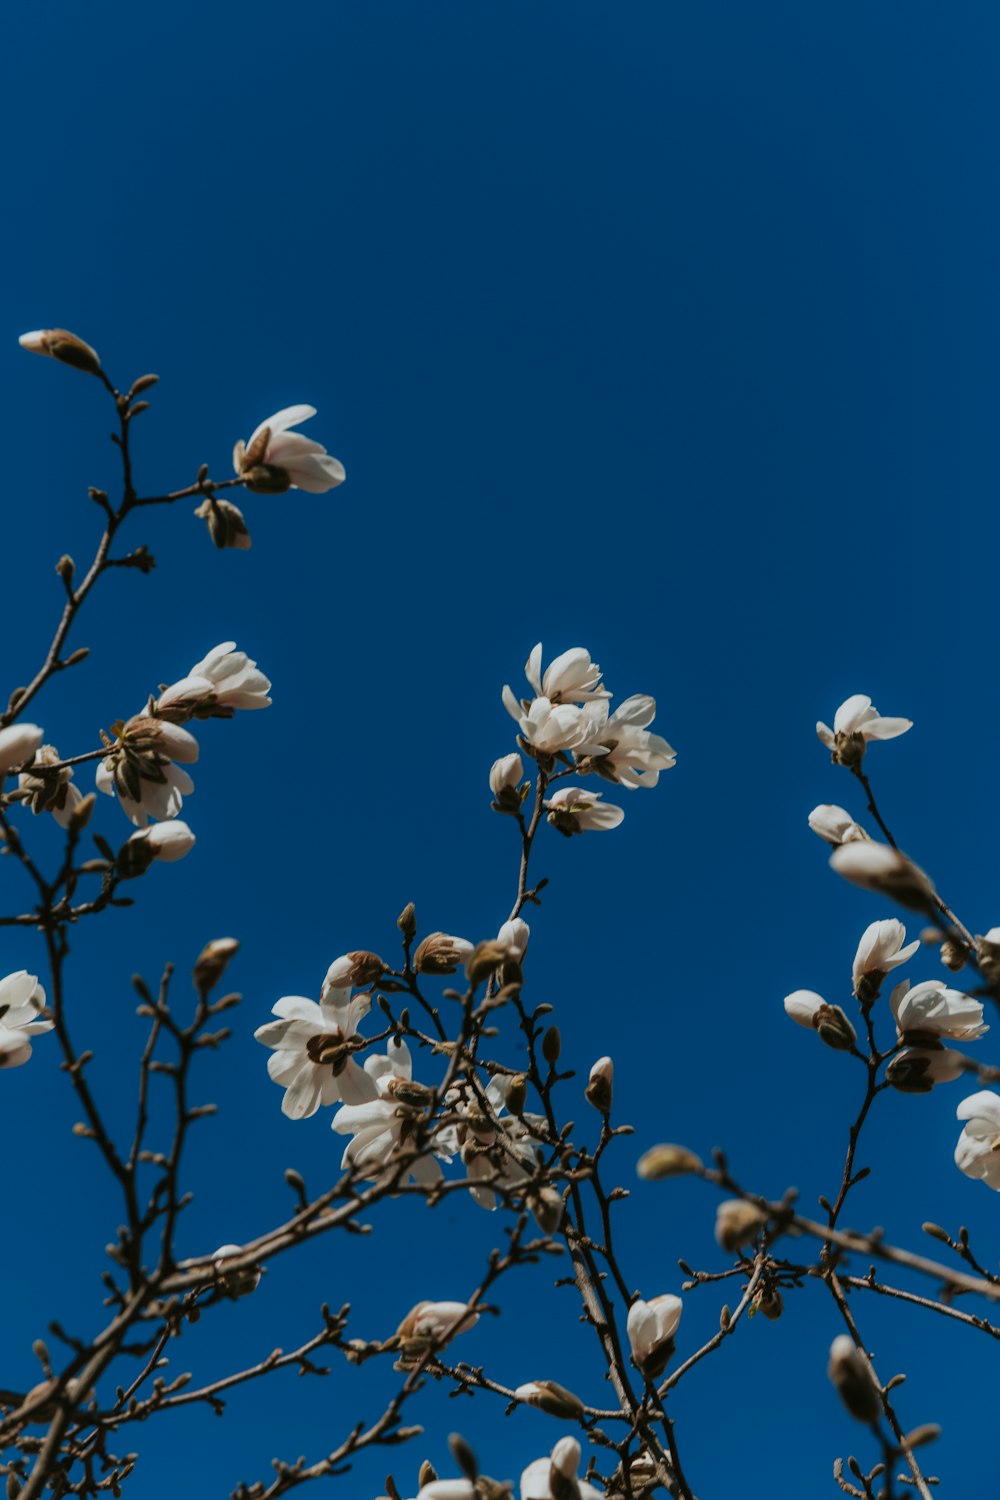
(350, 971)
(849, 1373)
(877, 867)
(386, 1121)
(54, 793)
(629, 754)
(312, 1046)
(498, 1150)
(978, 1151)
(506, 774)
(835, 824)
(856, 723)
(916, 1070)
(22, 1000)
(573, 809)
(440, 953)
(515, 934)
(168, 841)
(223, 681)
(807, 1008)
(18, 742)
(571, 678)
(555, 1478)
(549, 728)
(880, 950)
(551, 1397)
(68, 348)
(275, 459)
(651, 1327)
(933, 1009)
(140, 768)
(448, 1489)
(431, 1325)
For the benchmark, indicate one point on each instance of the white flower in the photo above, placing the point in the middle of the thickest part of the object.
(808, 1009)
(835, 824)
(506, 774)
(556, 1477)
(448, 1489)
(141, 769)
(22, 999)
(651, 1327)
(856, 723)
(168, 841)
(550, 727)
(978, 1151)
(916, 1070)
(571, 678)
(932, 1008)
(628, 753)
(68, 348)
(223, 681)
(235, 1283)
(574, 809)
(383, 1124)
(18, 743)
(498, 1150)
(312, 1047)
(877, 867)
(881, 949)
(515, 934)
(54, 793)
(275, 459)
(552, 720)
(437, 1322)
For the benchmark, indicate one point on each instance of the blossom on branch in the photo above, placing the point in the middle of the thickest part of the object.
(68, 348)
(18, 743)
(879, 951)
(313, 1048)
(931, 1008)
(22, 1001)
(275, 459)
(214, 688)
(574, 809)
(916, 1070)
(628, 752)
(168, 841)
(807, 1008)
(856, 722)
(835, 824)
(386, 1123)
(556, 1477)
(140, 768)
(978, 1151)
(52, 792)
(880, 868)
(552, 721)
(651, 1327)
(431, 1325)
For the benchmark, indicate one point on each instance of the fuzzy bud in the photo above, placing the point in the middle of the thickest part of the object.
(667, 1161)
(439, 953)
(552, 1045)
(516, 1094)
(550, 1397)
(407, 922)
(737, 1223)
(212, 962)
(483, 961)
(887, 872)
(850, 1375)
(225, 522)
(598, 1091)
(66, 347)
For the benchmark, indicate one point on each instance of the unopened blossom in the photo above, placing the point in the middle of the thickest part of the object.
(22, 1001)
(879, 951)
(350, 971)
(431, 1325)
(855, 724)
(18, 743)
(499, 1151)
(808, 1009)
(54, 792)
(556, 1477)
(880, 868)
(514, 934)
(506, 774)
(226, 523)
(551, 1397)
(850, 1375)
(988, 953)
(651, 1327)
(978, 1151)
(385, 1123)
(235, 1283)
(575, 809)
(737, 1223)
(312, 1049)
(629, 753)
(140, 769)
(600, 1084)
(931, 1008)
(440, 953)
(916, 1070)
(448, 1489)
(223, 681)
(68, 348)
(276, 459)
(835, 824)
(168, 841)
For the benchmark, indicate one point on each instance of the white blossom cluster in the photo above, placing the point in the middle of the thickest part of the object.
(568, 723)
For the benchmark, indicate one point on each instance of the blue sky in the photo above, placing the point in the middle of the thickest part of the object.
(669, 331)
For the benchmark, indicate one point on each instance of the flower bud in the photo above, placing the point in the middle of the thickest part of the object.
(235, 1283)
(737, 1223)
(807, 1008)
(598, 1091)
(550, 1397)
(547, 1208)
(18, 743)
(770, 1302)
(60, 344)
(225, 522)
(835, 825)
(917, 1069)
(212, 962)
(879, 868)
(552, 1045)
(366, 968)
(407, 921)
(440, 953)
(852, 1378)
(988, 952)
(483, 960)
(516, 1094)
(169, 841)
(667, 1161)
